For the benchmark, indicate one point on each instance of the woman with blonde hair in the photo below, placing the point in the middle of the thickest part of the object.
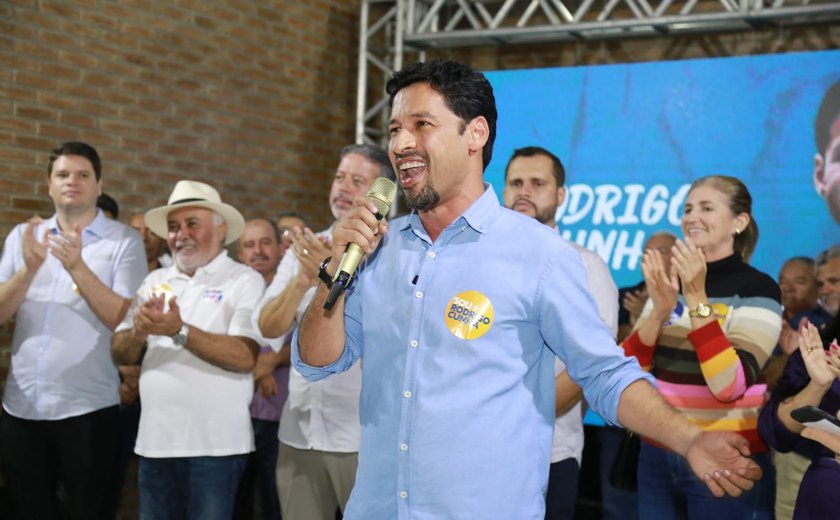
(705, 333)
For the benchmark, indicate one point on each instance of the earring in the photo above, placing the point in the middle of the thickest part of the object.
(737, 231)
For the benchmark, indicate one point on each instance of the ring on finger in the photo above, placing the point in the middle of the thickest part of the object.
(305, 252)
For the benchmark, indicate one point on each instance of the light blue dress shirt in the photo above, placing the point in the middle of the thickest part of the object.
(457, 417)
(61, 352)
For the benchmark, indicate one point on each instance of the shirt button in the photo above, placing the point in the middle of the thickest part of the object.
(432, 254)
(419, 294)
(414, 343)
(403, 495)
(404, 447)
(407, 393)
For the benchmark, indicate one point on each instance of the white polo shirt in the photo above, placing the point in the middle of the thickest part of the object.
(61, 352)
(568, 428)
(321, 415)
(191, 407)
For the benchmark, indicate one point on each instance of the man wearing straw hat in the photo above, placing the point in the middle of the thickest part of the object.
(190, 324)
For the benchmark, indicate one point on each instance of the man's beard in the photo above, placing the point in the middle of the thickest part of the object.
(426, 199)
(544, 215)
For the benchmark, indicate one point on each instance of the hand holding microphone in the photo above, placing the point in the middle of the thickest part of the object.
(359, 231)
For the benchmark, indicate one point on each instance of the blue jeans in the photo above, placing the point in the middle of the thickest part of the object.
(669, 489)
(200, 488)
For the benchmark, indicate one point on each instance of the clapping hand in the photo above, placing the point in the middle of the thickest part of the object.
(689, 262)
(34, 252)
(818, 363)
(66, 247)
(310, 250)
(662, 288)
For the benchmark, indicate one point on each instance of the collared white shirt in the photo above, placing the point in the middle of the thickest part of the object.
(321, 415)
(192, 407)
(61, 352)
(568, 428)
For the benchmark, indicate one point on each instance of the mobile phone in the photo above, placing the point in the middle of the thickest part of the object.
(815, 418)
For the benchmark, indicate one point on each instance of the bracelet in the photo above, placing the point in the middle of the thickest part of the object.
(323, 275)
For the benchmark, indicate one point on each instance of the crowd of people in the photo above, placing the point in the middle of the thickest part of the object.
(447, 381)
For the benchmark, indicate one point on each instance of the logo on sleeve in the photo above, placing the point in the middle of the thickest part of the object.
(469, 315)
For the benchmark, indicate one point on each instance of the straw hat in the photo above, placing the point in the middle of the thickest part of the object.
(195, 194)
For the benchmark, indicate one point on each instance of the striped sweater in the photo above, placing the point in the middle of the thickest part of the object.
(710, 374)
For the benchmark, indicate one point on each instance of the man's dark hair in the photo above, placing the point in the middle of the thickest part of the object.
(277, 234)
(828, 112)
(293, 214)
(107, 203)
(467, 93)
(375, 154)
(77, 148)
(531, 151)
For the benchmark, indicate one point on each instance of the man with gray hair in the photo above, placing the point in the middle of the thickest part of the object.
(319, 426)
(827, 274)
(190, 324)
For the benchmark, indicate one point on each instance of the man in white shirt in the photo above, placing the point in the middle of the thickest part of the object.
(535, 186)
(68, 281)
(191, 326)
(319, 427)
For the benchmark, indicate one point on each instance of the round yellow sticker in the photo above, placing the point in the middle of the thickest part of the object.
(720, 310)
(469, 315)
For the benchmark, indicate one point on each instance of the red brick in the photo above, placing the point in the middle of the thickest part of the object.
(80, 90)
(56, 99)
(34, 205)
(35, 112)
(18, 125)
(78, 59)
(78, 120)
(38, 143)
(8, 186)
(15, 155)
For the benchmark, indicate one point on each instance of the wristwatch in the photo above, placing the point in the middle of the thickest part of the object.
(701, 311)
(180, 337)
(322, 272)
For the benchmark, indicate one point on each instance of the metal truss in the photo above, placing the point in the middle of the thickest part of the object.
(392, 28)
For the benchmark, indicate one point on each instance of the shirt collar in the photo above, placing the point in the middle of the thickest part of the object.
(96, 226)
(478, 216)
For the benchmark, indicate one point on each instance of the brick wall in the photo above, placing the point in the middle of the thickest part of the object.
(255, 97)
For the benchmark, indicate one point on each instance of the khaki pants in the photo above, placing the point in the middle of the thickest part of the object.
(313, 484)
(790, 467)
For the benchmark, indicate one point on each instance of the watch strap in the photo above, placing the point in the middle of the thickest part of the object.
(322, 273)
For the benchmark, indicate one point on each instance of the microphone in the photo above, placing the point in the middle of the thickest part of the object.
(382, 194)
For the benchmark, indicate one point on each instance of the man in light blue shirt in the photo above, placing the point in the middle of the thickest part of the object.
(68, 281)
(458, 315)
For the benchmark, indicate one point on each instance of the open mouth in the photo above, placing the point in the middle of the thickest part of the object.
(411, 172)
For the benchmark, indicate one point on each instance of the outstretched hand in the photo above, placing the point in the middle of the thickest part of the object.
(827, 439)
(722, 460)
